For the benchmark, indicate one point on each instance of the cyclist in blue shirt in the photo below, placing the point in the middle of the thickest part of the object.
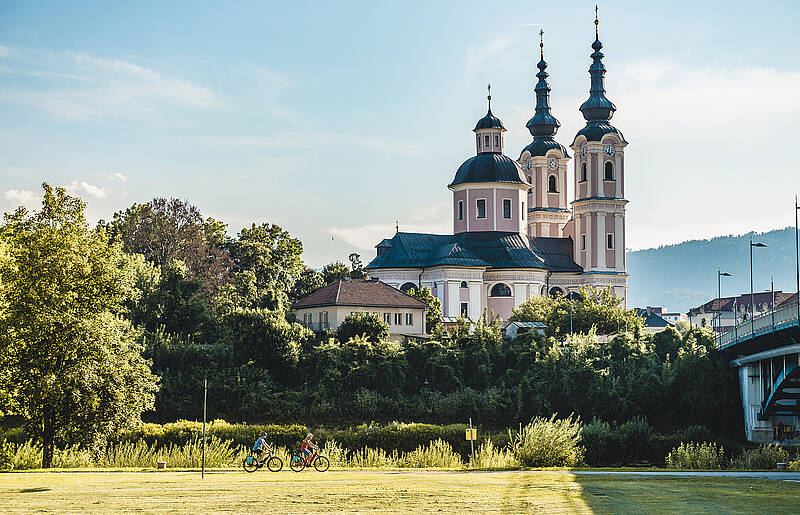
(261, 446)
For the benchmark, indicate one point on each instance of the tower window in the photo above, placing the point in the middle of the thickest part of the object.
(486, 141)
(529, 179)
(464, 309)
(506, 208)
(610, 241)
(500, 290)
(551, 184)
(460, 209)
(583, 242)
(478, 139)
(463, 284)
(583, 172)
(523, 210)
(609, 174)
(496, 140)
(480, 208)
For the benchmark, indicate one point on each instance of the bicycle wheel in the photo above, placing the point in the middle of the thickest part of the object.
(321, 464)
(250, 464)
(297, 463)
(274, 464)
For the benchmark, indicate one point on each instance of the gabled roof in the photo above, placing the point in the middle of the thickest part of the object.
(486, 249)
(652, 319)
(726, 303)
(358, 292)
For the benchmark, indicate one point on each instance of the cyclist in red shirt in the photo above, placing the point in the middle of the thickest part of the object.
(306, 447)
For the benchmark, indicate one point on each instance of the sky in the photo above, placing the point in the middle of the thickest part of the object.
(334, 120)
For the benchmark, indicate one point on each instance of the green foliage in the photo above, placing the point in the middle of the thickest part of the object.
(765, 457)
(356, 267)
(433, 314)
(307, 282)
(364, 325)
(549, 442)
(72, 367)
(332, 272)
(437, 454)
(490, 457)
(184, 431)
(704, 456)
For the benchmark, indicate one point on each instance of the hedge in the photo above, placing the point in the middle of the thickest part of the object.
(183, 431)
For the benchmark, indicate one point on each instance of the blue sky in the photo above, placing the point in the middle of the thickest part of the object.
(334, 120)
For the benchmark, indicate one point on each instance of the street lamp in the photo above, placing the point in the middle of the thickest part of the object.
(752, 306)
(797, 255)
(720, 275)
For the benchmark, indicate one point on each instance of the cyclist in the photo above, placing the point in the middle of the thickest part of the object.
(306, 447)
(261, 447)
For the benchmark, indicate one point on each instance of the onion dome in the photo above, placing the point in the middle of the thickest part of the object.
(489, 121)
(489, 167)
(543, 126)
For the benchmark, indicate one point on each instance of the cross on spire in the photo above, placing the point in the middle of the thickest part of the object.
(489, 96)
(541, 43)
(596, 23)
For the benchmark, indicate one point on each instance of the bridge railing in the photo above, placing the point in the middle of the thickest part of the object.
(767, 322)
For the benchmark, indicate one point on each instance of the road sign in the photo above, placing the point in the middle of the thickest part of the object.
(472, 434)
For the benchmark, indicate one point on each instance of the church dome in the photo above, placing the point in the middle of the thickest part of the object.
(489, 121)
(489, 167)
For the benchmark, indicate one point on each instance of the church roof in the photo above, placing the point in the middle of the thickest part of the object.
(488, 249)
(489, 167)
(489, 121)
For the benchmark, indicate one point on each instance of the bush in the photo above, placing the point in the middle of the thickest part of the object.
(183, 432)
(549, 443)
(437, 454)
(361, 324)
(706, 456)
(373, 458)
(635, 441)
(491, 457)
(765, 457)
(601, 442)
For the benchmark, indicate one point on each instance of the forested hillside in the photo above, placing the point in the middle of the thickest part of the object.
(685, 275)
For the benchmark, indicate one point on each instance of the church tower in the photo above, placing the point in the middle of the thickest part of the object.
(489, 188)
(544, 162)
(599, 205)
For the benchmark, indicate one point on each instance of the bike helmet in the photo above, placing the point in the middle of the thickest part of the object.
(264, 434)
(309, 435)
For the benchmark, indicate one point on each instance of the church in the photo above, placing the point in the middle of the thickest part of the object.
(515, 234)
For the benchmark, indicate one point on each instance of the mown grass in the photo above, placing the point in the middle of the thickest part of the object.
(387, 491)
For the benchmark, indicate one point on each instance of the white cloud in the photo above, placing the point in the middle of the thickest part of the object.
(478, 54)
(384, 145)
(75, 85)
(27, 198)
(4, 52)
(83, 187)
(116, 176)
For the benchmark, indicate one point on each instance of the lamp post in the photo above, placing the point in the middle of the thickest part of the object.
(797, 255)
(720, 275)
(752, 306)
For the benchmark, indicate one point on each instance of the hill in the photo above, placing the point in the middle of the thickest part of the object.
(684, 275)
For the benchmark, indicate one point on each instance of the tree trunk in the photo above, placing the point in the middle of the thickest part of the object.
(48, 440)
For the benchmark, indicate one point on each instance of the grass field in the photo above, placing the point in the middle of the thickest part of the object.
(406, 491)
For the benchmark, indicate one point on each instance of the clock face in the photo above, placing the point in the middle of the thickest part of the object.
(583, 151)
(552, 163)
(609, 150)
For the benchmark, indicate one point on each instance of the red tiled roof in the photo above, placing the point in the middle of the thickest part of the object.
(792, 299)
(726, 303)
(359, 293)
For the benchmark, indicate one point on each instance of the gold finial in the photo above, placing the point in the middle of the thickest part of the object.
(541, 43)
(596, 23)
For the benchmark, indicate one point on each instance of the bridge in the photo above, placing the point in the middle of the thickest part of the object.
(766, 352)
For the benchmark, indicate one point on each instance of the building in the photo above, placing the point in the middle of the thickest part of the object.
(515, 232)
(327, 307)
(514, 329)
(654, 322)
(726, 312)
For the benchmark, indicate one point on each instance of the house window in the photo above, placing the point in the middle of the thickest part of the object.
(409, 319)
(323, 319)
(464, 309)
(460, 209)
(480, 206)
(610, 241)
(583, 242)
(609, 176)
(551, 184)
(506, 208)
(463, 284)
(500, 290)
(387, 317)
(486, 141)
(496, 140)
(398, 319)
(583, 172)
(307, 319)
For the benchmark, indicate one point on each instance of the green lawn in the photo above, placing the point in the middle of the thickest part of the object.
(398, 491)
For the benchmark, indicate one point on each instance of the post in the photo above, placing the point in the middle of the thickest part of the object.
(752, 307)
(471, 443)
(203, 464)
(570, 314)
(719, 301)
(772, 306)
(797, 255)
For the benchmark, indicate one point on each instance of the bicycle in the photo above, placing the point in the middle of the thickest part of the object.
(252, 463)
(298, 462)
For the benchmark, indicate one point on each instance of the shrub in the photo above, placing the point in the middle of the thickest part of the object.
(437, 454)
(601, 443)
(635, 440)
(28, 455)
(335, 453)
(183, 432)
(706, 455)
(764, 457)
(794, 466)
(373, 458)
(362, 324)
(549, 443)
(491, 457)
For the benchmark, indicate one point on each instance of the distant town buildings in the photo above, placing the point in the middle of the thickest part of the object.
(726, 312)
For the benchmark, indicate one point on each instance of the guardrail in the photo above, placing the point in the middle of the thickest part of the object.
(765, 323)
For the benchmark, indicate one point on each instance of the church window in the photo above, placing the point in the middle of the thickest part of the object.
(523, 210)
(551, 184)
(500, 290)
(480, 205)
(529, 179)
(583, 242)
(463, 284)
(460, 209)
(496, 140)
(486, 141)
(506, 208)
(583, 172)
(610, 241)
(408, 286)
(609, 176)
(464, 309)
(478, 138)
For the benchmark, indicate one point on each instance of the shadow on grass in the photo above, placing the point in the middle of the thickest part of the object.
(32, 490)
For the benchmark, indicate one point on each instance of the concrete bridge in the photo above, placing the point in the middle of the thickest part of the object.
(766, 352)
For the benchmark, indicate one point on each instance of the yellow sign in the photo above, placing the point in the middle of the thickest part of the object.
(472, 434)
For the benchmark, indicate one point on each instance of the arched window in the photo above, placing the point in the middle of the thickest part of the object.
(609, 171)
(529, 179)
(463, 284)
(555, 290)
(408, 286)
(551, 184)
(500, 290)
(583, 172)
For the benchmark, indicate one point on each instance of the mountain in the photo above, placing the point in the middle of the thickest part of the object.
(684, 275)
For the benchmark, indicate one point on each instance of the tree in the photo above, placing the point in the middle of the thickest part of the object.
(356, 267)
(433, 314)
(308, 281)
(368, 325)
(332, 272)
(73, 367)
